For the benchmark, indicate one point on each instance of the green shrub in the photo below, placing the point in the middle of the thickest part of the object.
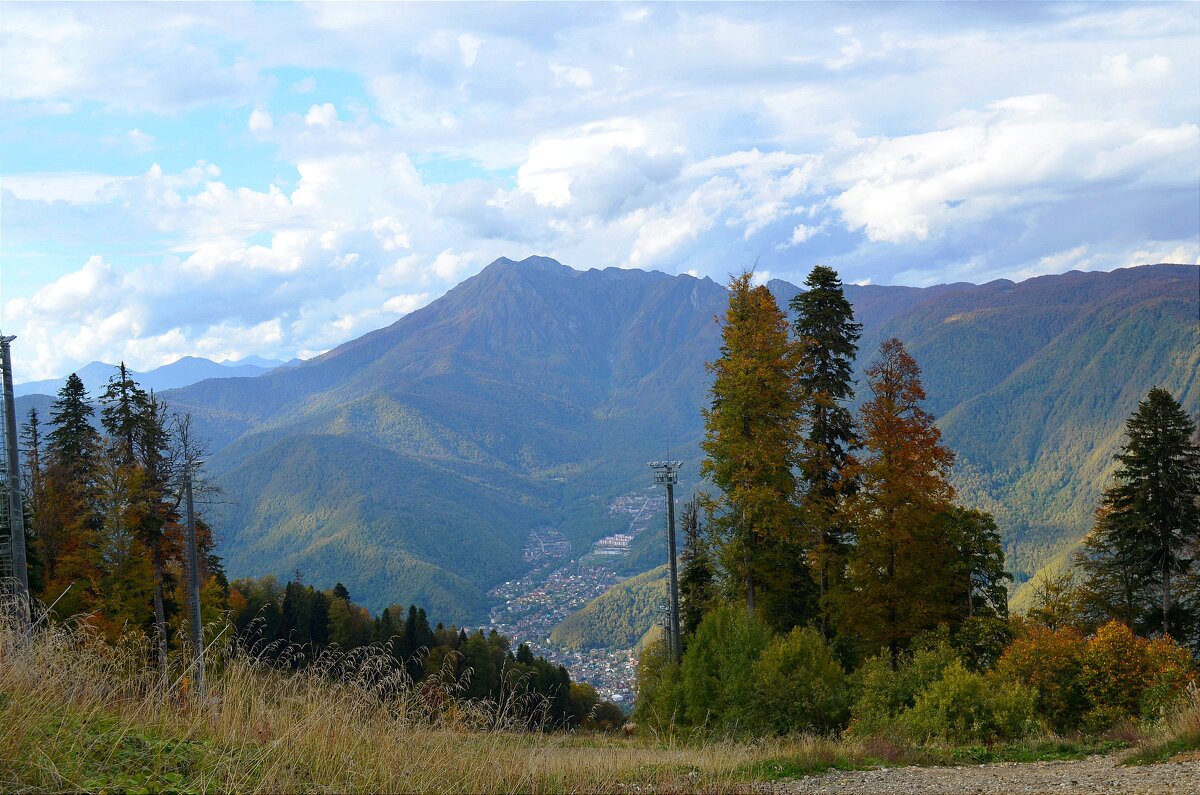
(801, 687)
(658, 703)
(883, 694)
(716, 679)
(966, 707)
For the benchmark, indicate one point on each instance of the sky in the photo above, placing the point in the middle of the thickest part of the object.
(275, 179)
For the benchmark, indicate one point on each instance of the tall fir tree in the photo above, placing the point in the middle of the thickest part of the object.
(828, 337)
(123, 415)
(1150, 518)
(66, 519)
(753, 434)
(899, 577)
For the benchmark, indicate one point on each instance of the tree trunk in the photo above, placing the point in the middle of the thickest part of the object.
(970, 595)
(160, 616)
(749, 590)
(1166, 595)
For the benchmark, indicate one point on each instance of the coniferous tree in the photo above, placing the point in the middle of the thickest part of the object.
(31, 441)
(1113, 583)
(66, 519)
(899, 572)
(73, 443)
(753, 435)
(124, 415)
(696, 591)
(828, 338)
(1150, 518)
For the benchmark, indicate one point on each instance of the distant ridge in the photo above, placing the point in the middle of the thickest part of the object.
(182, 372)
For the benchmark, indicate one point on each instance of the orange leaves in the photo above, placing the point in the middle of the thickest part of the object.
(1091, 682)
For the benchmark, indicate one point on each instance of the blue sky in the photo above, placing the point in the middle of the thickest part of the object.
(275, 179)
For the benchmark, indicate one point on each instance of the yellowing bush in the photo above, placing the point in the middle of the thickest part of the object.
(1091, 684)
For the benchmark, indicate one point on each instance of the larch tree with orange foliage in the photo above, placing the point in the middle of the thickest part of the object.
(899, 577)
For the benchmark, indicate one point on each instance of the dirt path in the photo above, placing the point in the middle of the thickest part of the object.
(1098, 774)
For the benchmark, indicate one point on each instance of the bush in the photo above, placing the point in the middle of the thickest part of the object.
(882, 695)
(1092, 685)
(801, 687)
(658, 704)
(966, 707)
(1050, 662)
(716, 680)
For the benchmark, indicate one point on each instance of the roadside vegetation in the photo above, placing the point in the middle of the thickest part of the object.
(80, 713)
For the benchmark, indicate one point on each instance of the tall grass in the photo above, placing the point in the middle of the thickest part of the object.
(80, 713)
(1176, 732)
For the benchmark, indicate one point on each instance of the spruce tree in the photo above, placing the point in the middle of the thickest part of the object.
(73, 444)
(979, 563)
(753, 433)
(124, 414)
(1150, 515)
(67, 518)
(828, 337)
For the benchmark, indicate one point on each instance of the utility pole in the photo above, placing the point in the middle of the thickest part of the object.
(16, 512)
(193, 579)
(667, 472)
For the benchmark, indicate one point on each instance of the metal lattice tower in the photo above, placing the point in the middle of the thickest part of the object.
(667, 473)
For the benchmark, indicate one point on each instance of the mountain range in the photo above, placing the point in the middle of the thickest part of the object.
(411, 463)
(182, 372)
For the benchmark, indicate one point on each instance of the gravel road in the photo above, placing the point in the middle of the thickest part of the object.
(1097, 774)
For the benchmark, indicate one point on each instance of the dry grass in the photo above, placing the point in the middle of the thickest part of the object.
(1176, 734)
(77, 713)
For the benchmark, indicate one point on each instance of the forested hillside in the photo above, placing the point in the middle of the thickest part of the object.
(412, 461)
(619, 617)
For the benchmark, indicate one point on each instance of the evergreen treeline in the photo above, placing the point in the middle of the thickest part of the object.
(106, 547)
(104, 519)
(839, 536)
(294, 624)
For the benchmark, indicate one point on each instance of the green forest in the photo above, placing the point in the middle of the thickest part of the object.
(837, 585)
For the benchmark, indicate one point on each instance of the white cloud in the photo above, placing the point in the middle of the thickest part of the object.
(555, 162)
(925, 146)
(322, 115)
(260, 121)
(468, 47)
(141, 142)
(574, 76)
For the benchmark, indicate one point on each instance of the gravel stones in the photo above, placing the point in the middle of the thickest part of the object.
(1097, 774)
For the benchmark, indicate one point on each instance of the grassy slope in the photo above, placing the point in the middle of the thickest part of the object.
(78, 715)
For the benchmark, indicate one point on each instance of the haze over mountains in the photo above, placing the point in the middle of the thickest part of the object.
(410, 463)
(182, 372)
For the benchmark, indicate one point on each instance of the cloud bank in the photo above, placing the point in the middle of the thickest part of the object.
(225, 180)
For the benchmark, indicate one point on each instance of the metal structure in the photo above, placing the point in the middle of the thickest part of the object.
(193, 580)
(667, 473)
(15, 557)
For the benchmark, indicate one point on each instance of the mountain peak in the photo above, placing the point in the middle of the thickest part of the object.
(535, 262)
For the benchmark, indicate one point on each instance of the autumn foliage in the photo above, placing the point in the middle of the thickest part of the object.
(1094, 683)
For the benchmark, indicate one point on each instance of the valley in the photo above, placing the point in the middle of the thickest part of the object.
(528, 609)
